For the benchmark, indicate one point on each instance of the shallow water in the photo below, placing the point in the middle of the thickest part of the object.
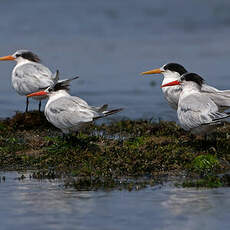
(34, 204)
(108, 43)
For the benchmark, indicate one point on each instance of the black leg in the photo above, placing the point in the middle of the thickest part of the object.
(27, 104)
(206, 142)
(39, 106)
(65, 137)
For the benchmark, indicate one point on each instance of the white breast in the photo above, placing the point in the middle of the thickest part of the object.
(171, 93)
(29, 77)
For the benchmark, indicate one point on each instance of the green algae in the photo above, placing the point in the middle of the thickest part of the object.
(205, 164)
(210, 181)
(114, 155)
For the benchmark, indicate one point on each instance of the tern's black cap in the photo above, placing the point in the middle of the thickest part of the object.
(31, 56)
(175, 67)
(193, 77)
(26, 54)
(62, 84)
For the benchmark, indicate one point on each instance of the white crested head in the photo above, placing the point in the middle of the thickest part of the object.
(173, 71)
(60, 87)
(56, 94)
(191, 80)
(25, 55)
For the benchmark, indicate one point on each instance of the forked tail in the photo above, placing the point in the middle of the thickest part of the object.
(218, 118)
(108, 113)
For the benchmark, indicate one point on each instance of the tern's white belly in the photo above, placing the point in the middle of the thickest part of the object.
(31, 77)
(172, 95)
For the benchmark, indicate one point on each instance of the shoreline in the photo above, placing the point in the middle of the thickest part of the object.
(127, 154)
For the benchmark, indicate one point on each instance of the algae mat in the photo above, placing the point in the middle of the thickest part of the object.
(127, 154)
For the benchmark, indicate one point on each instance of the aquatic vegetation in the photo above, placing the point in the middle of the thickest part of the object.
(207, 182)
(121, 154)
(205, 164)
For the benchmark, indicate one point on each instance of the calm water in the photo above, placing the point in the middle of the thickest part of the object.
(34, 204)
(108, 43)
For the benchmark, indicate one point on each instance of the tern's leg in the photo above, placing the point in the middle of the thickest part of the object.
(66, 137)
(39, 106)
(27, 104)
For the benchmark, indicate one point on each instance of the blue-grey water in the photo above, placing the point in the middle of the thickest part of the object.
(108, 43)
(34, 204)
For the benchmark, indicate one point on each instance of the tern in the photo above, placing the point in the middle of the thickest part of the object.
(196, 111)
(173, 72)
(70, 113)
(29, 75)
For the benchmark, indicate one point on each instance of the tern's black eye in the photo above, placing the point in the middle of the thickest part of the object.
(17, 55)
(49, 90)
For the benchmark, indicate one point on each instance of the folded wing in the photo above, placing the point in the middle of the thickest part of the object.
(196, 110)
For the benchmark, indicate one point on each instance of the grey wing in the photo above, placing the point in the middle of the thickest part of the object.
(32, 77)
(98, 110)
(210, 89)
(69, 112)
(196, 110)
(221, 99)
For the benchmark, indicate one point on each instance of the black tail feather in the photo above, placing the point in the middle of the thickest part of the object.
(107, 113)
(216, 120)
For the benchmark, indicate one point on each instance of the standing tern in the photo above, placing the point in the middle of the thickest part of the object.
(196, 111)
(29, 75)
(70, 113)
(172, 72)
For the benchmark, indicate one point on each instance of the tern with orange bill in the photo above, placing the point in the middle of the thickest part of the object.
(174, 71)
(29, 75)
(70, 113)
(196, 111)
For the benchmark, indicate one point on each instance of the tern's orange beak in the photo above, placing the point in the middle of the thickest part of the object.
(171, 84)
(40, 93)
(154, 71)
(7, 58)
